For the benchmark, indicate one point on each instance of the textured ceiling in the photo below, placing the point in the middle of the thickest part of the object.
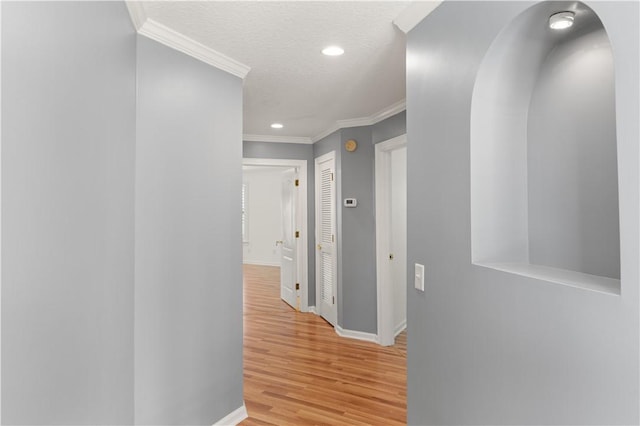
(290, 81)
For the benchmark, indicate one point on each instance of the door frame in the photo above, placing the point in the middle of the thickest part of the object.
(330, 156)
(302, 256)
(386, 328)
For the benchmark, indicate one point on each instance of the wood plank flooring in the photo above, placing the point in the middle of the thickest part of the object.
(298, 371)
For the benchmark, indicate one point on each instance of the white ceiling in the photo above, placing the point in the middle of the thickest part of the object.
(290, 81)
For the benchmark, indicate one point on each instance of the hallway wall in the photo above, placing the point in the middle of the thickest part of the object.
(68, 149)
(188, 255)
(84, 313)
(355, 177)
(491, 347)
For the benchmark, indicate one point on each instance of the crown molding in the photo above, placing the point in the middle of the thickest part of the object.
(389, 111)
(326, 133)
(168, 37)
(277, 139)
(363, 121)
(355, 122)
(414, 14)
(173, 39)
(137, 13)
(383, 114)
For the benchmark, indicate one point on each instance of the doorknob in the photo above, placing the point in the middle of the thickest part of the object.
(319, 247)
(390, 256)
(279, 242)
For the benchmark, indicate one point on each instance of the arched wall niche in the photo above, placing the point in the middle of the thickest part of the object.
(544, 177)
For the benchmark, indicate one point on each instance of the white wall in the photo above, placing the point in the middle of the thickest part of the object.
(264, 214)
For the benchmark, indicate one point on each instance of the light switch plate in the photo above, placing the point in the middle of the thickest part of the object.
(419, 277)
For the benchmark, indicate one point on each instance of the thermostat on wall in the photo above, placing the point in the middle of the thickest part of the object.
(350, 202)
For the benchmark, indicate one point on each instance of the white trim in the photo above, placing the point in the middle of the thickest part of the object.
(355, 122)
(165, 35)
(392, 144)
(332, 316)
(414, 14)
(400, 328)
(259, 263)
(389, 111)
(277, 139)
(358, 335)
(312, 309)
(335, 127)
(303, 247)
(234, 417)
(137, 13)
(363, 121)
(0, 213)
(383, 225)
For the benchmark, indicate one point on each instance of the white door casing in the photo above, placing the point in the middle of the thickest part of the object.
(398, 237)
(288, 257)
(326, 253)
(387, 323)
(301, 220)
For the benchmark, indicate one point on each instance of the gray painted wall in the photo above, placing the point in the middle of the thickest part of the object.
(489, 347)
(188, 300)
(68, 149)
(357, 231)
(290, 151)
(357, 286)
(389, 128)
(572, 163)
(81, 186)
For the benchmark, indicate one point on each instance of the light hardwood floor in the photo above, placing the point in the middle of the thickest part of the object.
(298, 371)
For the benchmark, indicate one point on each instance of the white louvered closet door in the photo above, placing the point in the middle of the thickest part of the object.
(326, 261)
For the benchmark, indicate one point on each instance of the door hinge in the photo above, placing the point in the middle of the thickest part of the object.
(297, 234)
(331, 177)
(297, 183)
(333, 298)
(333, 238)
(297, 286)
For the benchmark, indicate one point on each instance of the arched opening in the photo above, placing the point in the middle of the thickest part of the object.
(544, 176)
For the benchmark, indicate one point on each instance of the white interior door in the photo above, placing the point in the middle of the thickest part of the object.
(326, 259)
(288, 267)
(398, 237)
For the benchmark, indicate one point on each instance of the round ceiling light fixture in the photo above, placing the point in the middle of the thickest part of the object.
(561, 20)
(333, 51)
(277, 126)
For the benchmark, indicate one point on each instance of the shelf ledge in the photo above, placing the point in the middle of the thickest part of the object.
(559, 276)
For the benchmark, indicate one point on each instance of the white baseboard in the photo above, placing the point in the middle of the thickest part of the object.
(358, 335)
(400, 328)
(260, 263)
(233, 418)
(312, 309)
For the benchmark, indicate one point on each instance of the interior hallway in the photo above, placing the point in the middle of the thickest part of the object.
(297, 370)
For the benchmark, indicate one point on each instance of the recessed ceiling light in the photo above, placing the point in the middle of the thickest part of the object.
(333, 51)
(561, 20)
(277, 126)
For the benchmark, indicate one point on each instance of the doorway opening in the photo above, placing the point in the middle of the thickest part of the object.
(391, 237)
(274, 222)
